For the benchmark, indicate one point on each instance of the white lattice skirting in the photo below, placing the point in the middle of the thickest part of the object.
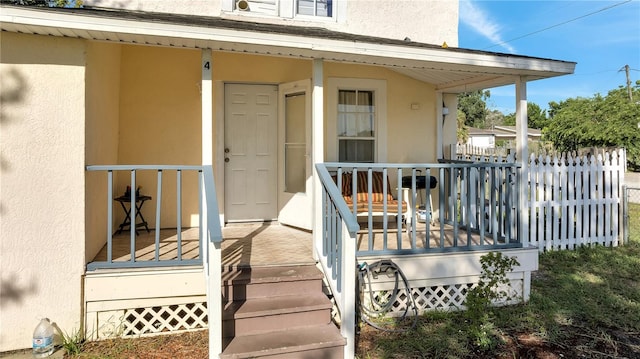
(156, 316)
(162, 319)
(437, 297)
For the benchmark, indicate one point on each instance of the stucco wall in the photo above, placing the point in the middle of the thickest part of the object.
(41, 185)
(160, 124)
(432, 22)
(103, 109)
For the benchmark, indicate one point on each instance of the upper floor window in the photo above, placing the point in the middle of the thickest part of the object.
(321, 8)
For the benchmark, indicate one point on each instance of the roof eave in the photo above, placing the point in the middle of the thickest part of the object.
(480, 69)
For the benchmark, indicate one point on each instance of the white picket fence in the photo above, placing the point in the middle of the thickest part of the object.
(573, 200)
(576, 201)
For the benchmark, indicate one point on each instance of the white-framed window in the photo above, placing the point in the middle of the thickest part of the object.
(318, 8)
(356, 120)
(303, 9)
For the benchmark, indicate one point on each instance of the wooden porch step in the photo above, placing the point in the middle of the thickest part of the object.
(260, 282)
(278, 312)
(322, 341)
(261, 315)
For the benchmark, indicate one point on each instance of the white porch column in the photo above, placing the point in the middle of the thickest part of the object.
(317, 149)
(522, 155)
(439, 125)
(212, 261)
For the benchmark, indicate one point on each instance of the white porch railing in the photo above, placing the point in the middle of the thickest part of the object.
(338, 257)
(475, 206)
(204, 183)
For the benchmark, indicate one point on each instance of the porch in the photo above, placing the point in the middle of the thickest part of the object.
(142, 283)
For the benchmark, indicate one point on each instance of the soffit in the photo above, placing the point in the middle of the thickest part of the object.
(448, 69)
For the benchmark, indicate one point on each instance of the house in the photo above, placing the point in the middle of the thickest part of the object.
(230, 112)
(505, 135)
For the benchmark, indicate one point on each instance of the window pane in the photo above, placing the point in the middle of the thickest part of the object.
(347, 125)
(295, 118)
(295, 143)
(323, 8)
(295, 168)
(347, 101)
(356, 150)
(365, 101)
(365, 125)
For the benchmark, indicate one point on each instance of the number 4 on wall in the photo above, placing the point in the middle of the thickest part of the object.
(207, 65)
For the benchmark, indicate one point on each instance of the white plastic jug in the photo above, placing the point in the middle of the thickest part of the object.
(43, 339)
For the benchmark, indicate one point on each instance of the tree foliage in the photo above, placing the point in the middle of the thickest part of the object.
(609, 121)
(462, 132)
(536, 117)
(474, 106)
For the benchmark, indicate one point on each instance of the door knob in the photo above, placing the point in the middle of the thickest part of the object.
(226, 150)
(226, 159)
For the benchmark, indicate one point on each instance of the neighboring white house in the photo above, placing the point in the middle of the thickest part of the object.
(158, 82)
(488, 138)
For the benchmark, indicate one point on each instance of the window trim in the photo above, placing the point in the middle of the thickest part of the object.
(379, 87)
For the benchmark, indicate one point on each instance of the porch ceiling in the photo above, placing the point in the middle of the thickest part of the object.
(449, 69)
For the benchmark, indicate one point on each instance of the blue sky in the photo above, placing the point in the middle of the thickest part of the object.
(601, 36)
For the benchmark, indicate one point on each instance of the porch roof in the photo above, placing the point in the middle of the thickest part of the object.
(449, 69)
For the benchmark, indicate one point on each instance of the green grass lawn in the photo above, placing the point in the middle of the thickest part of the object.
(584, 304)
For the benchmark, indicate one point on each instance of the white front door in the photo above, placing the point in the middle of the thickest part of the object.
(250, 137)
(295, 183)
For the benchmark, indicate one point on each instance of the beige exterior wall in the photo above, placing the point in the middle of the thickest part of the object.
(102, 130)
(42, 186)
(160, 124)
(432, 22)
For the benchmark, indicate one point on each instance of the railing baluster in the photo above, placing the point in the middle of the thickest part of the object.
(109, 216)
(414, 200)
(158, 207)
(483, 203)
(132, 216)
(469, 210)
(428, 210)
(454, 207)
(441, 200)
(339, 249)
(385, 213)
(370, 205)
(179, 211)
(400, 217)
(200, 206)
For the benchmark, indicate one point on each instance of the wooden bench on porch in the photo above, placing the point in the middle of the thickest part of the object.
(376, 196)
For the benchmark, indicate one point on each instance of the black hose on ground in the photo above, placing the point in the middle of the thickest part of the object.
(378, 308)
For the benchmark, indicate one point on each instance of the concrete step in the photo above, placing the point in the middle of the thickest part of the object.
(323, 341)
(261, 282)
(261, 315)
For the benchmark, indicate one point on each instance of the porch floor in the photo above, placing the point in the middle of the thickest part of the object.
(265, 244)
(256, 244)
(450, 238)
